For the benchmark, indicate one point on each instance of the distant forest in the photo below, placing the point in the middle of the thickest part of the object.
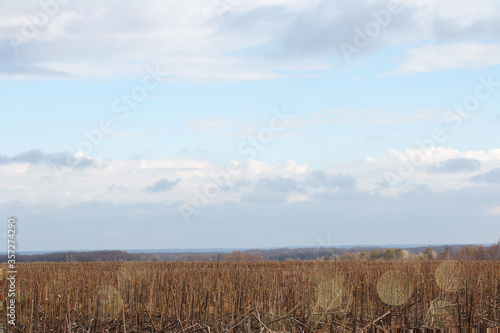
(448, 252)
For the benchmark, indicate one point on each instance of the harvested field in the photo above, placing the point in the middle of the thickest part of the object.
(257, 296)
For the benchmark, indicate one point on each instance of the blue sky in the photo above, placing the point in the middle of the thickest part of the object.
(198, 124)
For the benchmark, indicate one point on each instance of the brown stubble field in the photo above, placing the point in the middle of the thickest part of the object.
(291, 296)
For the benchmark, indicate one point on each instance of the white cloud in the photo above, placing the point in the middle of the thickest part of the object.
(118, 193)
(118, 39)
(430, 58)
(416, 166)
(257, 40)
(462, 12)
(127, 181)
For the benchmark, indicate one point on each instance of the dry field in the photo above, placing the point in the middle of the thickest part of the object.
(257, 296)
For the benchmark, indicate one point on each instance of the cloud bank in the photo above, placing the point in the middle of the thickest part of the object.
(254, 41)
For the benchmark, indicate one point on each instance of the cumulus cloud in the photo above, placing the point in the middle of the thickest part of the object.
(271, 191)
(396, 171)
(322, 28)
(491, 177)
(321, 178)
(179, 179)
(162, 185)
(429, 58)
(116, 188)
(278, 184)
(116, 40)
(260, 194)
(57, 159)
(257, 40)
(427, 156)
(459, 164)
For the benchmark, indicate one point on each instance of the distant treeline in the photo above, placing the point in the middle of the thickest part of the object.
(91, 256)
(457, 252)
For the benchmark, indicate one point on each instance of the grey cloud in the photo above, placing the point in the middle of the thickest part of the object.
(453, 165)
(492, 177)
(162, 185)
(31, 70)
(57, 159)
(321, 28)
(22, 62)
(271, 191)
(279, 184)
(82, 163)
(388, 183)
(320, 178)
(255, 19)
(31, 156)
(328, 24)
(448, 31)
(344, 185)
(237, 186)
(116, 188)
(276, 190)
(316, 30)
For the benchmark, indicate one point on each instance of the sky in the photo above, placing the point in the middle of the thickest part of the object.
(249, 124)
